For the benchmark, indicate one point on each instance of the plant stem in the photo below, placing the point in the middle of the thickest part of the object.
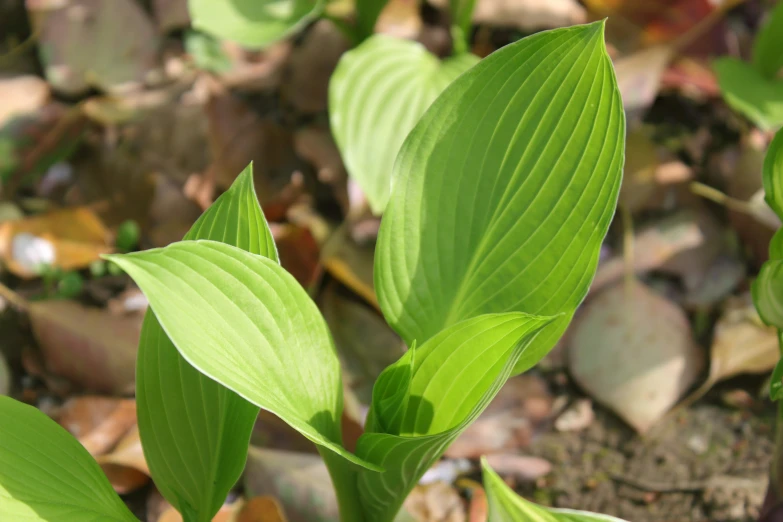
(344, 481)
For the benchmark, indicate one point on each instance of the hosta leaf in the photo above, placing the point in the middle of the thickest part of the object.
(195, 432)
(376, 95)
(768, 46)
(504, 190)
(747, 91)
(776, 381)
(449, 381)
(507, 506)
(244, 321)
(46, 474)
(252, 23)
(773, 173)
(767, 292)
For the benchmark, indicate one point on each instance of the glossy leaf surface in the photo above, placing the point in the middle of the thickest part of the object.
(377, 94)
(504, 190)
(195, 432)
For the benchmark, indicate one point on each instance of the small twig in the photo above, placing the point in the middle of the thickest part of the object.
(13, 298)
(713, 194)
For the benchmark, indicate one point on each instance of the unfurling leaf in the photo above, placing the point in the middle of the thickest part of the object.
(245, 322)
(773, 173)
(377, 94)
(252, 23)
(195, 431)
(507, 506)
(430, 396)
(47, 475)
(504, 190)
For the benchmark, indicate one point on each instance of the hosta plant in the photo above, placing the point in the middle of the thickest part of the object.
(767, 292)
(755, 88)
(501, 197)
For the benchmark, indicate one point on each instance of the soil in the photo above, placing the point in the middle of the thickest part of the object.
(708, 462)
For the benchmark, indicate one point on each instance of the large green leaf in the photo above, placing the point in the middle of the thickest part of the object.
(252, 23)
(749, 92)
(773, 174)
(46, 475)
(244, 321)
(430, 396)
(505, 189)
(376, 95)
(767, 290)
(507, 506)
(768, 46)
(195, 432)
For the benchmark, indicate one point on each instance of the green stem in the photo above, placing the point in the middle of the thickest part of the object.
(344, 481)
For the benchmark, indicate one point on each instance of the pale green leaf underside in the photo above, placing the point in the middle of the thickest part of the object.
(768, 46)
(773, 173)
(47, 475)
(450, 380)
(252, 23)
(747, 91)
(507, 506)
(195, 432)
(376, 95)
(504, 191)
(244, 321)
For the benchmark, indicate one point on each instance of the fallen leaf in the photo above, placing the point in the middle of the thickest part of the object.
(306, 80)
(528, 15)
(170, 14)
(227, 513)
(632, 350)
(510, 421)
(21, 95)
(261, 509)
(639, 76)
(298, 251)
(576, 417)
(351, 264)
(741, 344)
(68, 239)
(523, 468)
(401, 19)
(91, 347)
(272, 433)
(447, 470)
(479, 510)
(436, 502)
(365, 343)
(125, 465)
(92, 43)
(299, 481)
(639, 183)
(97, 422)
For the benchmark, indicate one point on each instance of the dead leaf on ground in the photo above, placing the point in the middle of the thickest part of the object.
(170, 14)
(68, 239)
(226, 513)
(21, 95)
(306, 81)
(261, 509)
(479, 509)
(510, 421)
(350, 263)
(125, 465)
(299, 252)
(436, 502)
(97, 422)
(365, 343)
(639, 76)
(576, 417)
(316, 145)
(741, 344)
(299, 481)
(92, 43)
(527, 15)
(632, 350)
(91, 347)
(400, 19)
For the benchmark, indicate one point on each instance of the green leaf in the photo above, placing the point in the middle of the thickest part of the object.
(452, 379)
(767, 291)
(748, 92)
(504, 190)
(773, 174)
(768, 46)
(507, 506)
(244, 321)
(461, 22)
(367, 13)
(376, 95)
(252, 23)
(46, 475)
(194, 431)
